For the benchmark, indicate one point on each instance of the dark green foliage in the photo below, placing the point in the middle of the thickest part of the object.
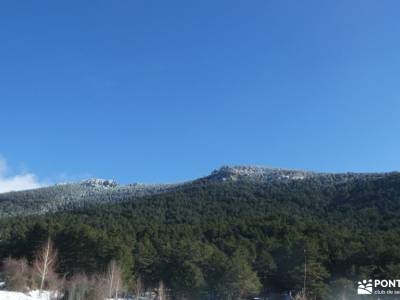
(229, 240)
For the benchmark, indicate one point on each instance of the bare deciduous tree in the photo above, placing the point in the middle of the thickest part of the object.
(303, 296)
(78, 287)
(100, 288)
(16, 272)
(161, 291)
(138, 287)
(45, 263)
(114, 279)
(82, 287)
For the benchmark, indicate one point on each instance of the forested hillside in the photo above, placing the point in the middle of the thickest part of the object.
(69, 196)
(231, 237)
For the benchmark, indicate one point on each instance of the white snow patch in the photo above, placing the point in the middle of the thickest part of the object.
(33, 295)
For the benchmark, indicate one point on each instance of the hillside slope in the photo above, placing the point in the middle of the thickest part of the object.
(196, 237)
(97, 191)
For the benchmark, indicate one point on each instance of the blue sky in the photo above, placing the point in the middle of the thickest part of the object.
(163, 91)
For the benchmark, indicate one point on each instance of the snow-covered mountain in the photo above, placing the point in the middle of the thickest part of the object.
(68, 196)
(267, 175)
(74, 195)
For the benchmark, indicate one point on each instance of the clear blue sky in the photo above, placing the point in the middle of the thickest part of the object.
(163, 91)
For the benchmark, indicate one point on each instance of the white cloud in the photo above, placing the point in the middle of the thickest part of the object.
(23, 181)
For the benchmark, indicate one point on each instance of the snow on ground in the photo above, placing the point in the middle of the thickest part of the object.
(33, 295)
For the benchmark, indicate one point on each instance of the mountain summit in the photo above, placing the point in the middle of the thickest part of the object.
(258, 173)
(99, 183)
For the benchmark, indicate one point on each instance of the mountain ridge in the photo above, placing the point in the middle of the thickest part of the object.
(225, 172)
(69, 196)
